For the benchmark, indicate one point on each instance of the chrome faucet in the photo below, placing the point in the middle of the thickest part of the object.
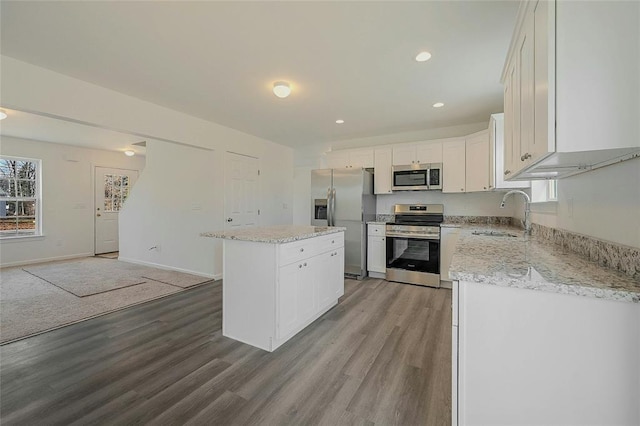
(527, 208)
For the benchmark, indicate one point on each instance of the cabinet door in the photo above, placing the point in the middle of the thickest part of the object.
(511, 122)
(309, 277)
(382, 171)
(478, 153)
(453, 165)
(527, 90)
(287, 310)
(361, 158)
(429, 152)
(404, 155)
(376, 261)
(337, 271)
(337, 159)
(544, 112)
(324, 278)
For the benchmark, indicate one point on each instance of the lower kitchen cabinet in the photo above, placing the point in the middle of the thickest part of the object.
(376, 250)
(273, 291)
(524, 356)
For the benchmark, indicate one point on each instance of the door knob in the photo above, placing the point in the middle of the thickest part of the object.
(229, 219)
(98, 215)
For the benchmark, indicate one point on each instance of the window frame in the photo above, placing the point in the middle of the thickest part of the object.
(37, 232)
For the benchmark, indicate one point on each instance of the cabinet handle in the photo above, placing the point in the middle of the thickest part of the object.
(461, 189)
(302, 249)
(506, 172)
(332, 241)
(299, 266)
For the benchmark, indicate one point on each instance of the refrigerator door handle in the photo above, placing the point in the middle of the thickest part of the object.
(333, 207)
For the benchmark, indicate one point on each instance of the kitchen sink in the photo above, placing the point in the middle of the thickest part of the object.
(494, 233)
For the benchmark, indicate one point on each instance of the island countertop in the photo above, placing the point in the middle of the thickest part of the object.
(531, 263)
(275, 234)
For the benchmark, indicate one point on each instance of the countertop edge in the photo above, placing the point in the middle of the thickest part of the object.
(270, 240)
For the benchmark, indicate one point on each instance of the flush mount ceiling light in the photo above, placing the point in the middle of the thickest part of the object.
(281, 89)
(339, 121)
(423, 56)
(3, 115)
(129, 153)
(438, 105)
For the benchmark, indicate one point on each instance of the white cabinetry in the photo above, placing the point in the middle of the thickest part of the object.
(419, 153)
(570, 88)
(352, 158)
(376, 249)
(453, 166)
(272, 291)
(382, 176)
(534, 357)
(478, 162)
(497, 133)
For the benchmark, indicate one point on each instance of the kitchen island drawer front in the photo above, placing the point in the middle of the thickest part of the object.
(298, 250)
(330, 242)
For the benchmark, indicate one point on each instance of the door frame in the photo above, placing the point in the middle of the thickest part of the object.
(94, 195)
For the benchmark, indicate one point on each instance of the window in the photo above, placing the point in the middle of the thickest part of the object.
(19, 197)
(116, 191)
(544, 190)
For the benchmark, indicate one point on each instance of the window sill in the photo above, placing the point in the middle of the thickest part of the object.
(21, 238)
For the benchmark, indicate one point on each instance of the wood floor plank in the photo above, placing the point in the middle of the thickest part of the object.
(381, 356)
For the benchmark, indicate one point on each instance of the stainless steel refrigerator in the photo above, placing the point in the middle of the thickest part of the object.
(344, 197)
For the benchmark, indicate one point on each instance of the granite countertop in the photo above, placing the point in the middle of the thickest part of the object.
(275, 234)
(531, 263)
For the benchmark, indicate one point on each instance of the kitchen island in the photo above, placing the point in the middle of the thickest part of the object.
(277, 280)
(541, 335)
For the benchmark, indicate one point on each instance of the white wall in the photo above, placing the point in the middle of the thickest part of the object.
(603, 203)
(30, 88)
(67, 199)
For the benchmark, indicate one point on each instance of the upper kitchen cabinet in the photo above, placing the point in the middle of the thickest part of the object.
(571, 88)
(499, 151)
(350, 158)
(478, 162)
(419, 153)
(453, 166)
(382, 176)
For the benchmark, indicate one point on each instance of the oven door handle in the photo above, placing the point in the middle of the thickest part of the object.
(417, 237)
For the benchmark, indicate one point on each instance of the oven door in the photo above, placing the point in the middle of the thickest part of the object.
(413, 260)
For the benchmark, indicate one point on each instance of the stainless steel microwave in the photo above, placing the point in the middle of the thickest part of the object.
(417, 177)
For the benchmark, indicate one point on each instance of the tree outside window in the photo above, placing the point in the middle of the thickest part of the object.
(19, 197)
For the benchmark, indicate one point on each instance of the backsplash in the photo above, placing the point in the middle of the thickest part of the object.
(476, 220)
(611, 255)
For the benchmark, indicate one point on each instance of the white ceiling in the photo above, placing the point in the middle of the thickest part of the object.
(218, 60)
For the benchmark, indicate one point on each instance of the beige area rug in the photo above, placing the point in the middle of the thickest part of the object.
(30, 305)
(94, 275)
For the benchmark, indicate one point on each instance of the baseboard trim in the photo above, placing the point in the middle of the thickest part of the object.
(170, 268)
(45, 260)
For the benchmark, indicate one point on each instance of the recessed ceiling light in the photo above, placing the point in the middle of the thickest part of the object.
(438, 105)
(129, 153)
(423, 56)
(339, 121)
(3, 115)
(281, 89)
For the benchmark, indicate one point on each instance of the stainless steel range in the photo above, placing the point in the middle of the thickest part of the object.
(413, 244)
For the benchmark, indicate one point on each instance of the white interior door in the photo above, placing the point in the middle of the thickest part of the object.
(112, 187)
(241, 191)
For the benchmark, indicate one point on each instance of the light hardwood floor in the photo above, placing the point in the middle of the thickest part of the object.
(381, 357)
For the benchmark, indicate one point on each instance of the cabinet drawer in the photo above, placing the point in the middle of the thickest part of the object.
(330, 242)
(297, 250)
(376, 230)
